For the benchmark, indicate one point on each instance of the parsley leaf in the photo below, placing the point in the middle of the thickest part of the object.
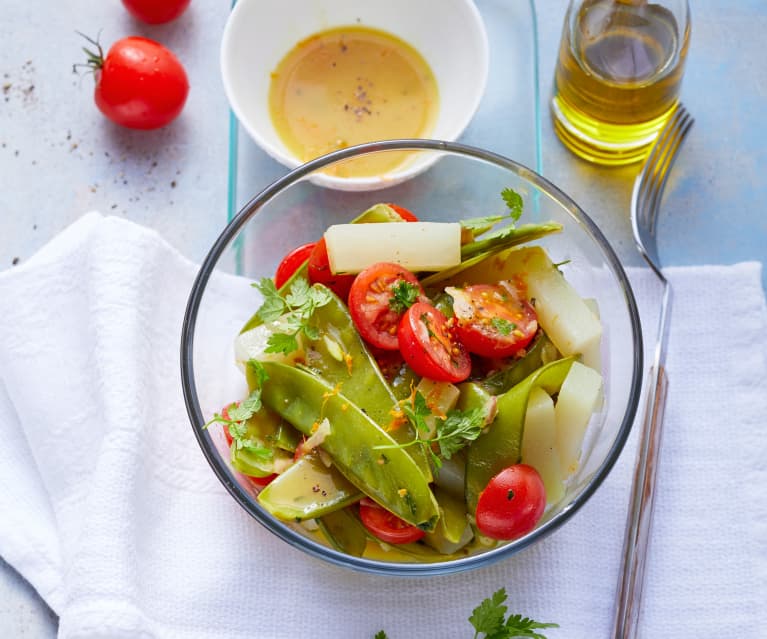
(458, 429)
(293, 311)
(503, 326)
(235, 417)
(273, 305)
(452, 433)
(488, 618)
(514, 203)
(404, 295)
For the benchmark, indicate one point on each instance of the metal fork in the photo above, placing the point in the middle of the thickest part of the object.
(645, 202)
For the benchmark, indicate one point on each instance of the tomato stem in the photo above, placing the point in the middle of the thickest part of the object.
(95, 60)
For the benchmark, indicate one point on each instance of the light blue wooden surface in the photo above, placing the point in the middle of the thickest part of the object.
(58, 158)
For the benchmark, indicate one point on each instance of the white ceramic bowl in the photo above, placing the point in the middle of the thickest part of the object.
(449, 34)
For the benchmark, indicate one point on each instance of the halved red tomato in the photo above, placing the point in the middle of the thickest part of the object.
(292, 262)
(320, 273)
(377, 301)
(512, 503)
(493, 320)
(386, 525)
(429, 345)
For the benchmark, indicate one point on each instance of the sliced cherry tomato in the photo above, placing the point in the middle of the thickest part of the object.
(429, 345)
(139, 83)
(512, 503)
(320, 273)
(406, 215)
(493, 320)
(156, 11)
(292, 262)
(373, 302)
(386, 525)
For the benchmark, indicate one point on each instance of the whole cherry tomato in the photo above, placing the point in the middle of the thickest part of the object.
(373, 302)
(292, 262)
(156, 11)
(493, 320)
(512, 503)
(139, 83)
(430, 347)
(386, 525)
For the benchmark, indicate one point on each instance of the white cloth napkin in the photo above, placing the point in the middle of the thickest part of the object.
(111, 512)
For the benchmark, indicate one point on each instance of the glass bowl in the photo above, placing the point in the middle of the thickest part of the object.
(463, 182)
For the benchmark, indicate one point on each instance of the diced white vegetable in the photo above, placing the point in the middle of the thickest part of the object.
(591, 356)
(252, 345)
(539, 443)
(440, 397)
(418, 246)
(575, 404)
(568, 321)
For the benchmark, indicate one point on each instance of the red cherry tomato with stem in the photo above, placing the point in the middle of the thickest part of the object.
(373, 302)
(512, 503)
(386, 525)
(292, 262)
(156, 11)
(430, 347)
(320, 273)
(139, 83)
(493, 320)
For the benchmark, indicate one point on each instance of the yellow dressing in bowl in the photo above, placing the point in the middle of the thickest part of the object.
(350, 85)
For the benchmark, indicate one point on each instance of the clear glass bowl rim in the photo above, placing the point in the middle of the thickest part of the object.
(294, 538)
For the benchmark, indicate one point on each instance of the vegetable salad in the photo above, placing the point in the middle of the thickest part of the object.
(417, 405)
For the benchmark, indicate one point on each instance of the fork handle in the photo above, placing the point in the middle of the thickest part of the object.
(639, 524)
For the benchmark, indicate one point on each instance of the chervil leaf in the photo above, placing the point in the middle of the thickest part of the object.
(404, 295)
(488, 617)
(281, 343)
(273, 305)
(417, 410)
(519, 626)
(246, 408)
(514, 203)
(458, 429)
(259, 370)
(293, 310)
(298, 295)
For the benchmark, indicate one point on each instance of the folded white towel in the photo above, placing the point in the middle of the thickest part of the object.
(110, 510)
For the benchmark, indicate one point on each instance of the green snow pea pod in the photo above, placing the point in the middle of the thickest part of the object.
(306, 490)
(538, 353)
(388, 475)
(344, 531)
(501, 445)
(339, 356)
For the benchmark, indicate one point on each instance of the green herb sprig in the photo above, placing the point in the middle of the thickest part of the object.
(404, 295)
(293, 310)
(452, 432)
(489, 620)
(238, 414)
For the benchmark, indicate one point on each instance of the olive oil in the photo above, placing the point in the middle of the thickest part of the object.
(617, 78)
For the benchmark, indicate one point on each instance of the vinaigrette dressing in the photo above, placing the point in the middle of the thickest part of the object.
(350, 85)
